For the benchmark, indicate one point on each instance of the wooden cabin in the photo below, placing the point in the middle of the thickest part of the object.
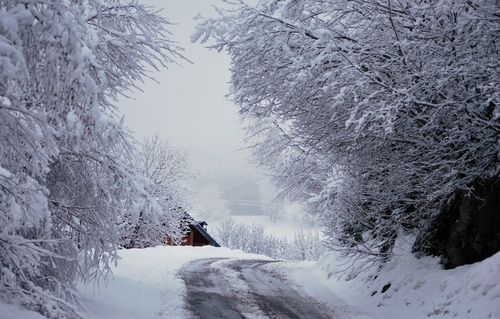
(197, 234)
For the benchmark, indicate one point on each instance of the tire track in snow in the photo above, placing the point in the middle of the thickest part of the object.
(236, 289)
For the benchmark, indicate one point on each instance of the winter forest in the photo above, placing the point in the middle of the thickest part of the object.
(381, 117)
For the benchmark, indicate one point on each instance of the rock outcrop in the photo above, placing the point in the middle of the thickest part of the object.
(468, 230)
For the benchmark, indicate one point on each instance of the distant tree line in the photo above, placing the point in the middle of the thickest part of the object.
(305, 245)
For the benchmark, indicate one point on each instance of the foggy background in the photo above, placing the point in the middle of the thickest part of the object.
(188, 106)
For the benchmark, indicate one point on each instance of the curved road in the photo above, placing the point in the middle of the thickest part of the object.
(230, 289)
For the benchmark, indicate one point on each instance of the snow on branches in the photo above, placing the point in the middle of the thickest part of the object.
(400, 98)
(63, 186)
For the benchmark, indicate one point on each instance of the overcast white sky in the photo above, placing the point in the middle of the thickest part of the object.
(188, 106)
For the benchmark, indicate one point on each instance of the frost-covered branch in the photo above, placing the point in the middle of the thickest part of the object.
(398, 98)
(63, 183)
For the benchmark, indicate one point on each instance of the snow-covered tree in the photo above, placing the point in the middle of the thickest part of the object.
(270, 202)
(306, 245)
(210, 204)
(63, 64)
(163, 167)
(378, 113)
(225, 231)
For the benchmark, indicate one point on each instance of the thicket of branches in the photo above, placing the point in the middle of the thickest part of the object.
(305, 245)
(162, 166)
(63, 184)
(376, 113)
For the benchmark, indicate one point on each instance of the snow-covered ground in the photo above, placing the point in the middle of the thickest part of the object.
(146, 285)
(407, 287)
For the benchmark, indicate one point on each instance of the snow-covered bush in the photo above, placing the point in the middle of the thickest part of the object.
(253, 239)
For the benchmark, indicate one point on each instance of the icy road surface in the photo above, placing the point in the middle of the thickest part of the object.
(219, 288)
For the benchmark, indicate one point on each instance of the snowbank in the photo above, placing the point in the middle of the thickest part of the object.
(407, 287)
(11, 312)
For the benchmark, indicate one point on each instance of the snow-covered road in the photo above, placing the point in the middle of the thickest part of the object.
(219, 288)
(147, 284)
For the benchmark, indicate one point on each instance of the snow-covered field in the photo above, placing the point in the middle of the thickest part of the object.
(146, 285)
